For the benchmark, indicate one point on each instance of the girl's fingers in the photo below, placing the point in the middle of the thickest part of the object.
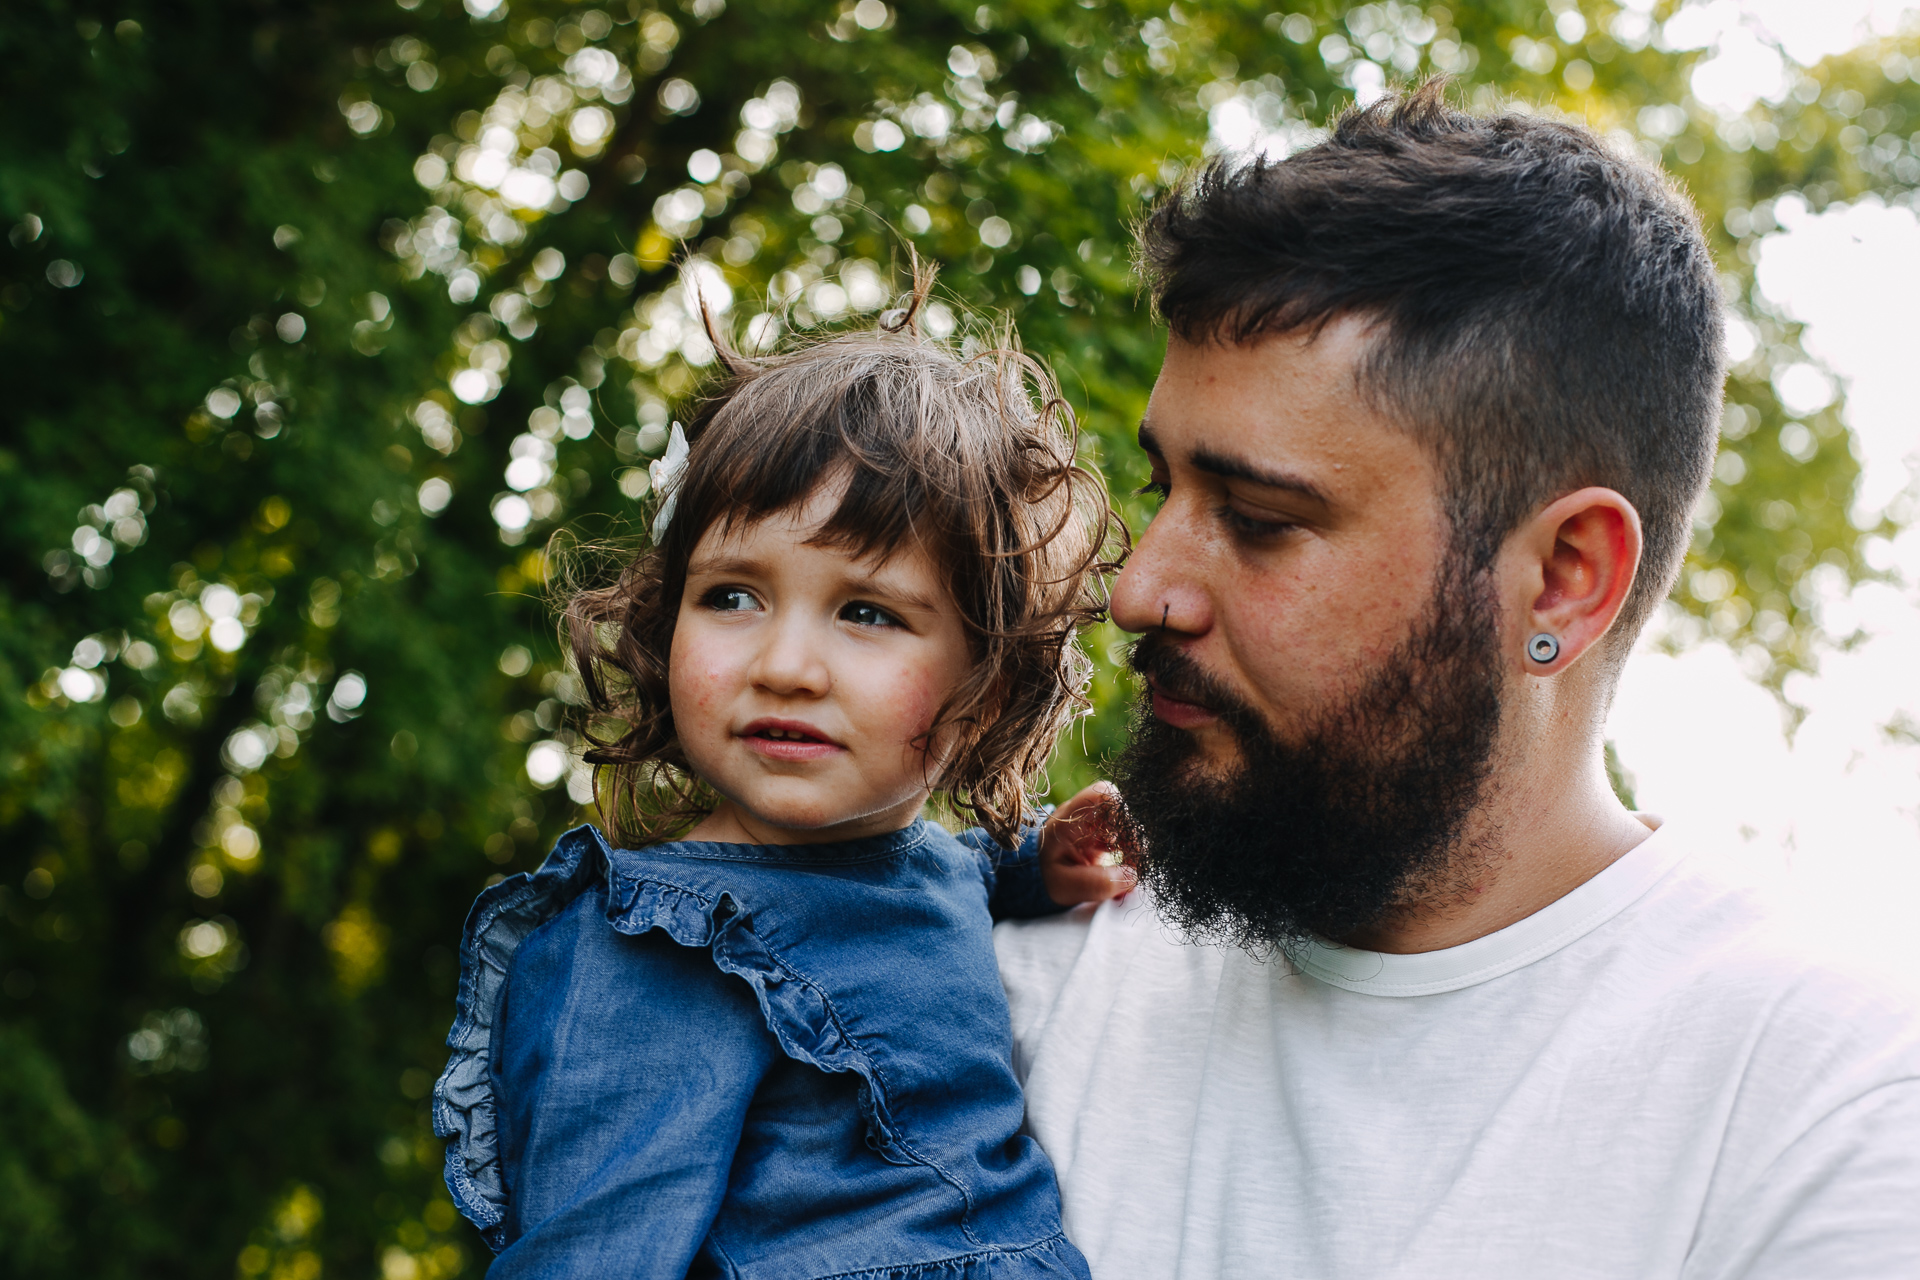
(1068, 884)
(1093, 812)
(1095, 847)
(1089, 836)
(1087, 802)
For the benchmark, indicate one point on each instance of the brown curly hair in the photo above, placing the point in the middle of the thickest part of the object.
(969, 457)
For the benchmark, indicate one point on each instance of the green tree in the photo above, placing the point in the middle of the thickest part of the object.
(323, 319)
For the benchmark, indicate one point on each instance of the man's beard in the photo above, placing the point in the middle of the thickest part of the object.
(1360, 814)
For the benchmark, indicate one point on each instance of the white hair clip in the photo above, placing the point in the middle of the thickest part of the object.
(665, 471)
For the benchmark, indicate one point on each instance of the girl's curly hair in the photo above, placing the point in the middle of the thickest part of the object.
(969, 457)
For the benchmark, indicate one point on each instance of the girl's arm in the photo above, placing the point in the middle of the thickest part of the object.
(1073, 855)
(1085, 854)
(1015, 888)
(625, 1067)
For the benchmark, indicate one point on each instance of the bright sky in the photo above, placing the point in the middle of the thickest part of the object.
(1748, 38)
(1840, 801)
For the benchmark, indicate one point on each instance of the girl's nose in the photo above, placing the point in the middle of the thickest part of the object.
(792, 661)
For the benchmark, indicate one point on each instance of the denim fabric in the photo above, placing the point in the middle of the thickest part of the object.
(771, 1063)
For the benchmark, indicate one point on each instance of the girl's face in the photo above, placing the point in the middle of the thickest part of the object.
(802, 679)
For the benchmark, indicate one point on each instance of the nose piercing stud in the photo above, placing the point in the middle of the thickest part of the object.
(1543, 648)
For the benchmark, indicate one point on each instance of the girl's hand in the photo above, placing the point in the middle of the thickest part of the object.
(1084, 849)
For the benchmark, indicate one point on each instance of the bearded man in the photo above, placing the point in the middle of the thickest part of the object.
(1407, 991)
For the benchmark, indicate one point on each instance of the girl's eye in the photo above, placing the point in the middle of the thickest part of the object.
(868, 615)
(730, 600)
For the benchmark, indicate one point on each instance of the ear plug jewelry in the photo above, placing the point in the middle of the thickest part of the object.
(1543, 648)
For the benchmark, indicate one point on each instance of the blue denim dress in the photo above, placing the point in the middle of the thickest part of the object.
(764, 1062)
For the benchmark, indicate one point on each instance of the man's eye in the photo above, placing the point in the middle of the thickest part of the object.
(868, 615)
(730, 600)
(1246, 526)
(1155, 488)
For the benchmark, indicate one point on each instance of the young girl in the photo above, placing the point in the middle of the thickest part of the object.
(776, 1046)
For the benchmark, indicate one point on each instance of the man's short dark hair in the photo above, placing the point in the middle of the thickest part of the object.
(1551, 316)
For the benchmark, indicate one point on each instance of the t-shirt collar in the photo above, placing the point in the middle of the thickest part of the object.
(1521, 943)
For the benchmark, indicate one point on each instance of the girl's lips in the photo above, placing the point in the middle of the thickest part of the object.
(1181, 715)
(788, 740)
(790, 748)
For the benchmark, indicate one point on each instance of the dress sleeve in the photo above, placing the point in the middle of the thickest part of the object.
(625, 1066)
(1015, 890)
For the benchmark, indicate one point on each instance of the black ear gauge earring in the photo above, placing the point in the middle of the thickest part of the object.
(1543, 648)
(1164, 609)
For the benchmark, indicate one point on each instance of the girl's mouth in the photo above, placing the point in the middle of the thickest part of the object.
(788, 740)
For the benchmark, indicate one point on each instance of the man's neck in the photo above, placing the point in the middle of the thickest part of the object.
(1537, 836)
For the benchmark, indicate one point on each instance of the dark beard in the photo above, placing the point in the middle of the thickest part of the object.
(1360, 814)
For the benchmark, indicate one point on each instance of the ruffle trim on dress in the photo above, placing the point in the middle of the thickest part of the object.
(464, 1108)
(798, 1014)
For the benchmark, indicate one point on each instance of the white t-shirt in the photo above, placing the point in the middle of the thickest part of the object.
(1659, 1075)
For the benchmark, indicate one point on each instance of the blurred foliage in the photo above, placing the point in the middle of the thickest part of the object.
(320, 319)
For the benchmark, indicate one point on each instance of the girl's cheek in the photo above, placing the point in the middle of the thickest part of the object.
(696, 690)
(693, 690)
(910, 698)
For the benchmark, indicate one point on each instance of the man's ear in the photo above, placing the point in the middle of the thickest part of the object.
(1565, 574)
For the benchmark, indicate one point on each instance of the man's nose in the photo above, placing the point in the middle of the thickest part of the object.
(1162, 585)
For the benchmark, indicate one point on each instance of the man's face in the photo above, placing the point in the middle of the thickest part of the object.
(1300, 534)
(1324, 685)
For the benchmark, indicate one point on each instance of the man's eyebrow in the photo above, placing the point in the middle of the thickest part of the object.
(1227, 468)
(1219, 464)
